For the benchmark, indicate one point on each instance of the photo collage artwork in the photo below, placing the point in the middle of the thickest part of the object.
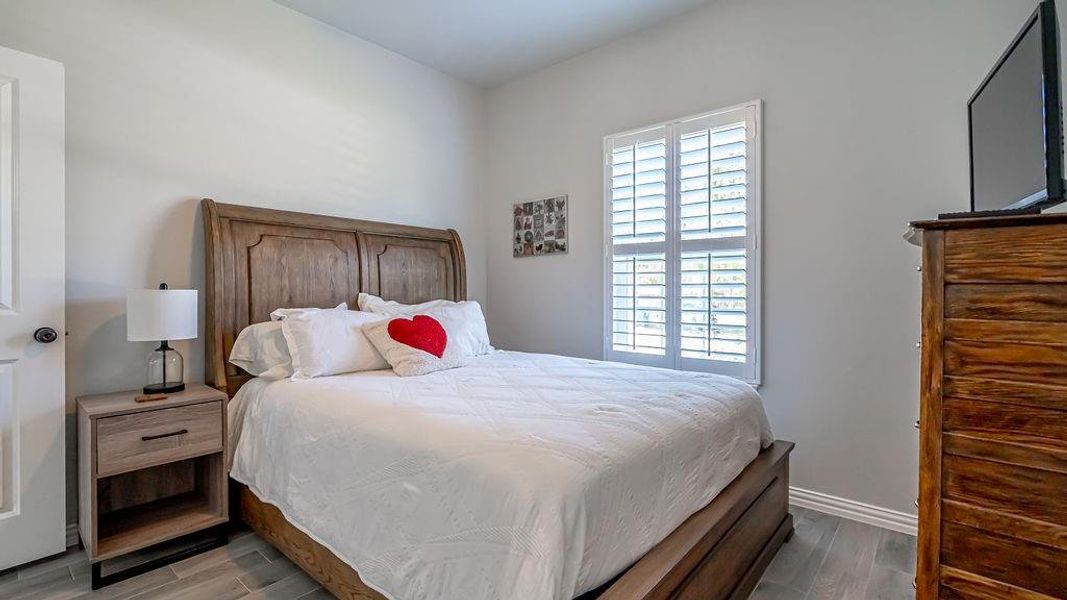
(540, 227)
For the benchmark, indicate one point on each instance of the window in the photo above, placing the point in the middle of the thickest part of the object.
(682, 263)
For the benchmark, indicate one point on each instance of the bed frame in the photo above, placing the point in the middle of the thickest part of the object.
(260, 259)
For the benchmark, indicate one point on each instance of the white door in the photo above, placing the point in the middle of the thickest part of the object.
(32, 487)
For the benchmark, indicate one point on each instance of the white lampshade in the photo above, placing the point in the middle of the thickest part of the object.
(155, 315)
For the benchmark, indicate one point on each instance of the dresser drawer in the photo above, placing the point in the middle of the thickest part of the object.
(1001, 562)
(1039, 395)
(1014, 255)
(144, 439)
(1035, 494)
(1007, 422)
(1006, 361)
(962, 585)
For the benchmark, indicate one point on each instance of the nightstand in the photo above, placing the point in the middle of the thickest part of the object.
(149, 472)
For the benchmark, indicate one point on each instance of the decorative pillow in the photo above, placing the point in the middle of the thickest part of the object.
(464, 321)
(376, 304)
(415, 345)
(329, 342)
(261, 350)
(280, 314)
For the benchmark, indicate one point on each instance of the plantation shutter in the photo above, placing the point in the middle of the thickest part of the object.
(712, 228)
(638, 174)
(683, 218)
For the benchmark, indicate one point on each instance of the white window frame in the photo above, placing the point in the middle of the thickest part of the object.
(750, 370)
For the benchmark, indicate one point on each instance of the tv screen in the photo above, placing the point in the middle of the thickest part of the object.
(1016, 150)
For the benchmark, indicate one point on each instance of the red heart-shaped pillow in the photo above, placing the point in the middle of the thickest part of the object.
(421, 332)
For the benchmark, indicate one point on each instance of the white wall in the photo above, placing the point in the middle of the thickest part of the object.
(246, 102)
(865, 129)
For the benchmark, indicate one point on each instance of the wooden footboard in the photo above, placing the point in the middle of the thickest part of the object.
(717, 554)
(722, 550)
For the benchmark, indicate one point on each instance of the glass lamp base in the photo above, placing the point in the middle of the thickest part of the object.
(164, 388)
(166, 370)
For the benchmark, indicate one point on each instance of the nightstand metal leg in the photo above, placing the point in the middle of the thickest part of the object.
(219, 538)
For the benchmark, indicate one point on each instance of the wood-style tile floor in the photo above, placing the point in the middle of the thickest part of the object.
(828, 558)
(834, 558)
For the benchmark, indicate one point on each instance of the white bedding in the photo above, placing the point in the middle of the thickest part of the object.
(521, 476)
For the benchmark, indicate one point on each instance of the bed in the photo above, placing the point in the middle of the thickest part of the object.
(583, 415)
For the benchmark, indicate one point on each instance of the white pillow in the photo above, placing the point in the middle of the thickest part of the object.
(415, 346)
(329, 342)
(376, 304)
(465, 325)
(261, 350)
(280, 314)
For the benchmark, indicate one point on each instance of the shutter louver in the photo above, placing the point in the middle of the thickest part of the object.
(638, 220)
(713, 305)
(639, 193)
(712, 182)
(639, 304)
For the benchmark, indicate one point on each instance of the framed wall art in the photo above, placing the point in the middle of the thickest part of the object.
(540, 227)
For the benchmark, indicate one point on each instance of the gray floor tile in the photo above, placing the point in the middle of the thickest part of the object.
(319, 594)
(211, 558)
(70, 557)
(798, 562)
(896, 551)
(252, 541)
(293, 586)
(131, 587)
(889, 584)
(268, 574)
(844, 573)
(767, 590)
(216, 589)
(217, 579)
(53, 584)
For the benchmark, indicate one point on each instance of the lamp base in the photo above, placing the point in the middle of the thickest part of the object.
(164, 388)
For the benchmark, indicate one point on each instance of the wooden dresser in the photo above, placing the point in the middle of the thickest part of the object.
(993, 421)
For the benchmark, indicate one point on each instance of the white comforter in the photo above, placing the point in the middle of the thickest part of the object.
(522, 476)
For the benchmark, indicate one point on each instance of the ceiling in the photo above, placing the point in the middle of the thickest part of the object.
(489, 42)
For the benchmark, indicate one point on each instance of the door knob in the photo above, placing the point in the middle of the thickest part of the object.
(45, 335)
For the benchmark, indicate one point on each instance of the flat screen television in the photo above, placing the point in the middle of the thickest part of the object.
(1016, 137)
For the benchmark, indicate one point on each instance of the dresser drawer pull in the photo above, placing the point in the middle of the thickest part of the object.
(148, 438)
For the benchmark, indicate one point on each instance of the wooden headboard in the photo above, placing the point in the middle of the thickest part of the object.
(260, 259)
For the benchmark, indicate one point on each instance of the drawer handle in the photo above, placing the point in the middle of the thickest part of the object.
(148, 438)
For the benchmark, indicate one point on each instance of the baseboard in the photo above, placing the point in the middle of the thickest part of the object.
(72, 535)
(856, 511)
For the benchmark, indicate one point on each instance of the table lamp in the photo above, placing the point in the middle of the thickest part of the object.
(162, 314)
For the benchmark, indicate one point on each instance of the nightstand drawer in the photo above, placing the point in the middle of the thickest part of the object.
(144, 439)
